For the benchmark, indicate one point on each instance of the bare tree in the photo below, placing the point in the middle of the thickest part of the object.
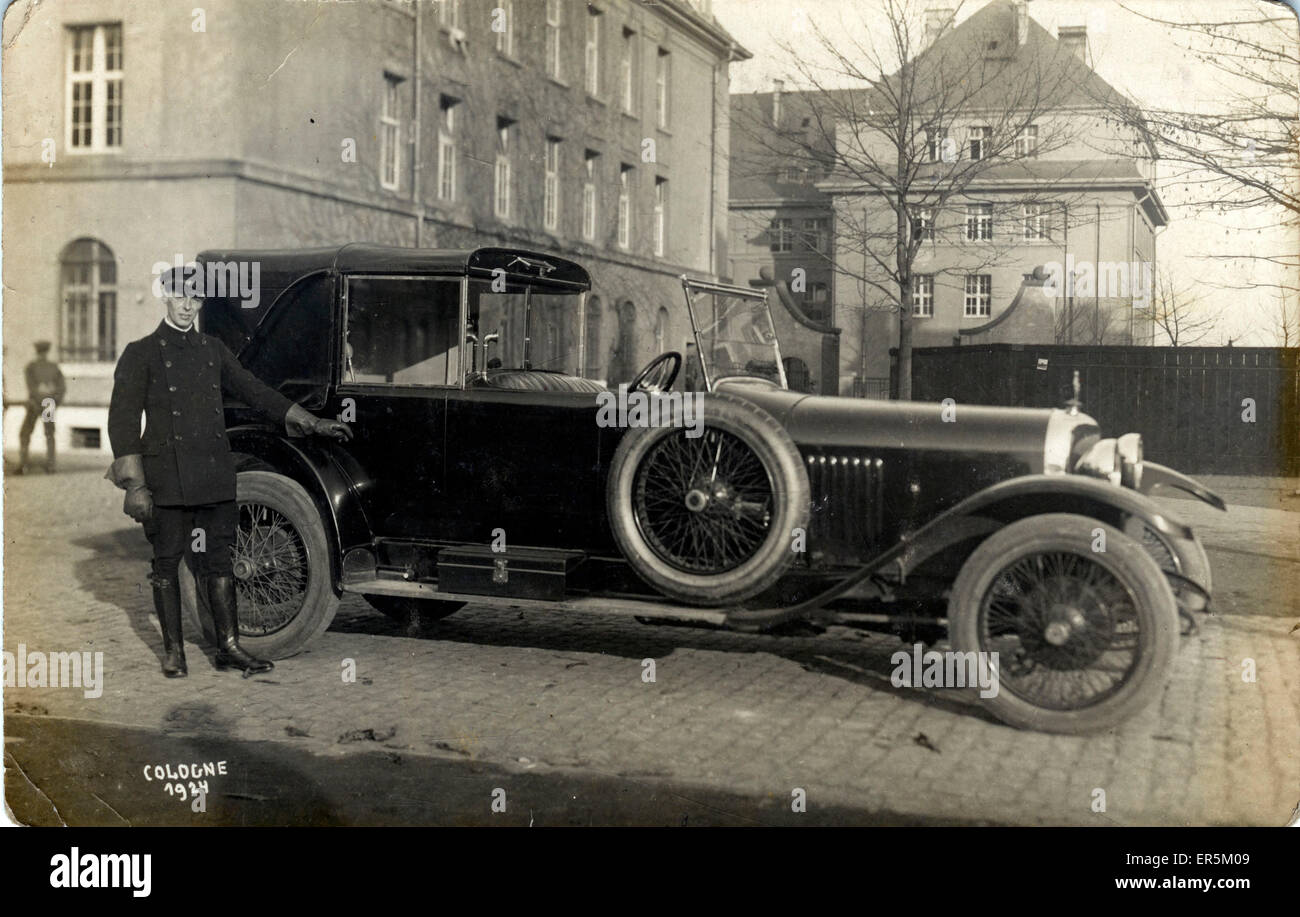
(1178, 313)
(1286, 322)
(923, 126)
(1238, 151)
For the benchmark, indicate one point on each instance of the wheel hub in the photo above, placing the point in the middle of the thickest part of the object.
(1064, 621)
(696, 500)
(243, 568)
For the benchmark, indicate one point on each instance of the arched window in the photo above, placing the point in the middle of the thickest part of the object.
(797, 376)
(661, 331)
(88, 281)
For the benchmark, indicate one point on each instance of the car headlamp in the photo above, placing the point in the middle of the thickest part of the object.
(1101, 461)
(1129, 449)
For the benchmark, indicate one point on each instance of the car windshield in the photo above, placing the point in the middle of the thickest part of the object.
(736, 335)
(552, 329)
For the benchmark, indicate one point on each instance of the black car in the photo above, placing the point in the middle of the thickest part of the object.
(487, 468)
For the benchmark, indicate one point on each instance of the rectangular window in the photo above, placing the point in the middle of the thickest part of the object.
(447, 148)
(402, 331)
(590, 163)
(93, 91)
(935, 142)
(551, 185)
(780, 234)
(627, 71)
(663, 86)
(923, 295)
(624, 205)
(922, 224)
(977, 142)
(817, 234)
(449, 13)
(816, 302)
(1035, 223)
(661, 218)
(979, 295)
(502, 182)
(1027, 141)
(593, 51)
(554, 35)
(390, 134)
(979, 222)
(506, 37)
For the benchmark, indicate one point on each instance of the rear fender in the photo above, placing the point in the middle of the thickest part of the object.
(327, 473)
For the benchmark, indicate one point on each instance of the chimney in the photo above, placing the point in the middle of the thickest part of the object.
(778, 86)
(1075, 39)
(1022, 22)
(937, 18)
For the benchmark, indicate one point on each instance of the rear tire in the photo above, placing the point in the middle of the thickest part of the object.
(283, 579)
(1064, 620)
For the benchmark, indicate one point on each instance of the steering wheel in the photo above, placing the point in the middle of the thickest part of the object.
(659, 374)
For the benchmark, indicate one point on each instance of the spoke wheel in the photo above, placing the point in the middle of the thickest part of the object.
(1084, 638)
(281, 560)
(271, 570)
(705, 504)
(707, 518)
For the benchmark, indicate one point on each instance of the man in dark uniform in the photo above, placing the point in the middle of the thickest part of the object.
(179, 474)
(44, 380)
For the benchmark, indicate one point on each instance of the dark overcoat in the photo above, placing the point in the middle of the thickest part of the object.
(176, 380)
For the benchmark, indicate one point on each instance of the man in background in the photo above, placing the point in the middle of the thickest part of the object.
(45, 391)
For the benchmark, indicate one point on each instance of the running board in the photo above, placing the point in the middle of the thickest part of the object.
(635, 608)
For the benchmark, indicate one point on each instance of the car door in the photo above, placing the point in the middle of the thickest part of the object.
(523, 456)
(401, 357)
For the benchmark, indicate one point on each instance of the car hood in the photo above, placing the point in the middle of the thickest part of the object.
(819, 421)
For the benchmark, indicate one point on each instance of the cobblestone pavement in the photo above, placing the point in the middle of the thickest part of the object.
(752, 715)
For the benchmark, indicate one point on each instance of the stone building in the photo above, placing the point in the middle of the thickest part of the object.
(134, 135)
(1069, 195)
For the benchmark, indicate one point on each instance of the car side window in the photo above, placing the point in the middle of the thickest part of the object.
(402, 331)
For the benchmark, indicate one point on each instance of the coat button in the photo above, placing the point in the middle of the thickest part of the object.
(214, 385)
(216, 410)
(171, 388)
(209, 362)
(167, 363)
(217, 435)
(176, 413)
(179, 437)
(163, 343)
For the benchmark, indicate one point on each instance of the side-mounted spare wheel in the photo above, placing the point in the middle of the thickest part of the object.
(709, 519)
(1085, 638)
(282, 570)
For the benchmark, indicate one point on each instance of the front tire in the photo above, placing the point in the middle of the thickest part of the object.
(1085, 638)
(283, 580)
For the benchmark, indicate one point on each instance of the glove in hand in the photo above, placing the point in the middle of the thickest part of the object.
(138, 504)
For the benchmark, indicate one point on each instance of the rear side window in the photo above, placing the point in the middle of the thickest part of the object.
(402, 331)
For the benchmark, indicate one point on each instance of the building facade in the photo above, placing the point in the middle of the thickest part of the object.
(598, 131)
(1068, 198)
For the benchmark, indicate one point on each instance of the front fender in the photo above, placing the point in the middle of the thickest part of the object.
(324, 469)
(1009, 501)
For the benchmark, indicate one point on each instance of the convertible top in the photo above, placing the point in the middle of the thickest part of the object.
(280, 268)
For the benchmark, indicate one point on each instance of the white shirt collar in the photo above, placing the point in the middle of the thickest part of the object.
(172, 324)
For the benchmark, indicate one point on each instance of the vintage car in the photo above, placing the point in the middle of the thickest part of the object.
(487, 469)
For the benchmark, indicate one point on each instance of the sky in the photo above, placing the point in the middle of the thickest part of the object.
(1140, 58)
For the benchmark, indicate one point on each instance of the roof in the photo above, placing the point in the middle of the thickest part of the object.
(280, 267)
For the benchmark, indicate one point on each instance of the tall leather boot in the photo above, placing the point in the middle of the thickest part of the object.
(49, 456)
(225, 620)
(23, 449)
(167, 602)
